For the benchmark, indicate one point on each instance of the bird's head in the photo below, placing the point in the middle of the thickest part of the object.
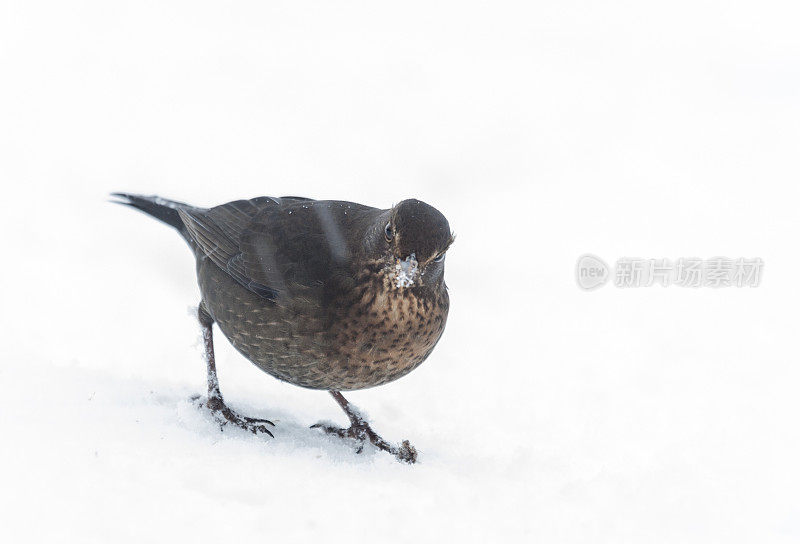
(416, 237)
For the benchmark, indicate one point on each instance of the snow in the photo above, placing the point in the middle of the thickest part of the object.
(406, 271)
(543, 132)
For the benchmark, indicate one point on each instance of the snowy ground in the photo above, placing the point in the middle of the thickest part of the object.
(543, 132)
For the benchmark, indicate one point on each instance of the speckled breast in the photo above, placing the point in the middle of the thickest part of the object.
(385, 335)
(369, 336)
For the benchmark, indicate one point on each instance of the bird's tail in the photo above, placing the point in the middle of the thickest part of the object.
(160, 208)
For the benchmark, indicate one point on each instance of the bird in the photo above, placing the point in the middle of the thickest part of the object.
(322, 294)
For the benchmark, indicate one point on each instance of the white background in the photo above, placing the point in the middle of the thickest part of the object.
(542, 131)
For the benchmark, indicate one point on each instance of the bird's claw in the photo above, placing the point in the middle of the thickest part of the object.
(223, 415)
(406, 453)
(257, 420)
(362, 433)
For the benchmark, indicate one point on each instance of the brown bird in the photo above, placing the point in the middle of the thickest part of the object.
(322, 294)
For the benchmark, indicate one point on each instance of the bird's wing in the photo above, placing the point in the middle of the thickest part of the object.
(219, 233)
(254, 242)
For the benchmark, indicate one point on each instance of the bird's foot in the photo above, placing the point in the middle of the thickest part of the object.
(224, 415)
(361, 432)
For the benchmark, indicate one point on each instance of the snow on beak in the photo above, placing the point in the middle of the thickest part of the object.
(406, 271)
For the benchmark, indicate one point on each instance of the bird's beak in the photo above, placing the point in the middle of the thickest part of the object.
(406, 271)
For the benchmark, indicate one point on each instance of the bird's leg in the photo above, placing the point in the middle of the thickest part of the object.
(360, 430)
(222, 413)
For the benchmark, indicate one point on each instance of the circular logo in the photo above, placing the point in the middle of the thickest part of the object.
(591, 272)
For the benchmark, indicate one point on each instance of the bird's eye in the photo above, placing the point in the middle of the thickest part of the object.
(387, 231)
(439, 258)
